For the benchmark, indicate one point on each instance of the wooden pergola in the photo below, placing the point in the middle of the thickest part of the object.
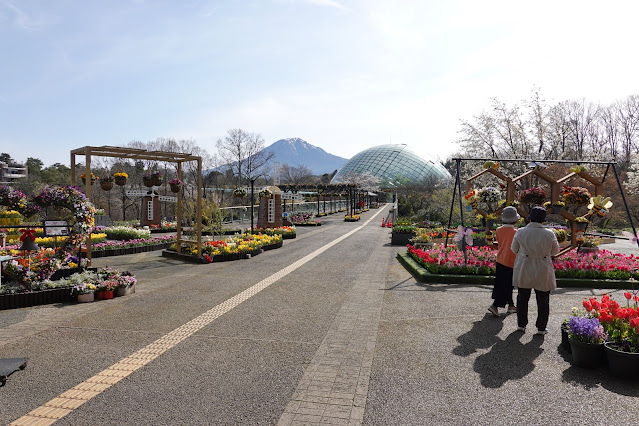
(142, 154)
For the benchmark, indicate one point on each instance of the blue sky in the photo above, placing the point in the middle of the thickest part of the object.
(344, 75)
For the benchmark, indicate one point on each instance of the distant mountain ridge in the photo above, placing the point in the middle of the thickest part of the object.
(298, 152)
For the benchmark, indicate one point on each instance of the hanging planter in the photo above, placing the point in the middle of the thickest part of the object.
(120, 178)
(146, 181)
(240, 193)
(582, 223)
(106, 183)
(175, 185)
(265, 193)
(94, 178)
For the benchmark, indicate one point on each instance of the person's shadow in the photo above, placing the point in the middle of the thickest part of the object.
(482, 335)
(508, 360)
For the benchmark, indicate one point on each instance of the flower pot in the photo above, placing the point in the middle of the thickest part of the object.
(565, 343)
(85, 298)
(146, 181)
(490, 223)
(175, 188)
(622, 364)
(156, 180)
(557, 209)
(120, 180)
(124, 291)
(106, 186)
(84, 181)
(582, 225)
(586, 355)
(104, 294)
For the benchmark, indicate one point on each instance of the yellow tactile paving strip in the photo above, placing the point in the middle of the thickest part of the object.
(65, 403)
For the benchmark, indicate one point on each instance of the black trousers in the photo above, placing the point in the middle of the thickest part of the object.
(503, 289)
(543, 307)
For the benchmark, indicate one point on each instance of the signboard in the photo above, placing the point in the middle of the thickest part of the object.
(56, 228)
(167, 198)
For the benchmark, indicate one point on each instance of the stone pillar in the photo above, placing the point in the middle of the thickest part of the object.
(270, 213)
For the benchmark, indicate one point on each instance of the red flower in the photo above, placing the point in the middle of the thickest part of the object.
(628, 295)
(587, 305)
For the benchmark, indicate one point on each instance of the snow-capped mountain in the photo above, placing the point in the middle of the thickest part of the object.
(296, 152)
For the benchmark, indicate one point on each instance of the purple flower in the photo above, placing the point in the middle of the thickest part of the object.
(587, 330)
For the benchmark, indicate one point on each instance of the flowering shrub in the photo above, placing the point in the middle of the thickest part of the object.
(576, 195)
(532, 196)
(587, 330)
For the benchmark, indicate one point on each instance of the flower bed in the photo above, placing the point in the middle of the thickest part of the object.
(287, 232)
(116, 248)
(125, 233)
(603, 265)
(235, 248)
(351, 218)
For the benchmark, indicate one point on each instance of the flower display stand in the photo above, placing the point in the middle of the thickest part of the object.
(586, 355)
(622, 364)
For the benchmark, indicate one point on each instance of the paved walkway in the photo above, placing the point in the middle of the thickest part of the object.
(329, 329)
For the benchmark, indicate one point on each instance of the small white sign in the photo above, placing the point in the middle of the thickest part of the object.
(55, 228)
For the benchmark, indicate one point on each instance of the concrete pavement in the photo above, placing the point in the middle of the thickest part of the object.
(347, 336)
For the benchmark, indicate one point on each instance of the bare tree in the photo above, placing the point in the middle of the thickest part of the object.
(232, 151)
(296, 175)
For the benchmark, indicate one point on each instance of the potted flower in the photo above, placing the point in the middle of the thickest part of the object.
(84, 292)
(586, 336)
(120, 178)
(489, 194)
(506, 203)
(576, 195)
(105, 289)
(421, 240)
(265, 193)
(589, 245)
(533, 196)
(176, 185)
(84, 178)
(240, 193)
(106, 183)
(556, 207)
(622, 327)
(561, 235)
(490, 220)
(582, 223)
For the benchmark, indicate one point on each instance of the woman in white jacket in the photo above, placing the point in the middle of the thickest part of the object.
(535, 246)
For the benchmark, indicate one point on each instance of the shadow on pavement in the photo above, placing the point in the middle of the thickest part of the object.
(482, 335)
(508, 360)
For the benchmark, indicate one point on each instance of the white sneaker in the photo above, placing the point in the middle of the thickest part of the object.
(541, 332)
(493, 310)
(522, 329)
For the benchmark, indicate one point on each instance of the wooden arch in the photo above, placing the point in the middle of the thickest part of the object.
(555, 188)
(142, 154)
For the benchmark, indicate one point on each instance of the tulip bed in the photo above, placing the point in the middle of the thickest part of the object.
(481, 261)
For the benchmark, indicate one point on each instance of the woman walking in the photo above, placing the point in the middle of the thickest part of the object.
(534, 246)
(503, 289)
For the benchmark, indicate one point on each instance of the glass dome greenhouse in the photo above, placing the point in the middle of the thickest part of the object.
(392, 163)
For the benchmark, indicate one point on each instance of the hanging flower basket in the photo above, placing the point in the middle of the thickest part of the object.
(146, 181)
(533, 196)
(576, 195)
(175, 187)
(239, 193)
(106, 186)
(94, 178)
(120, 178)
(265, 193)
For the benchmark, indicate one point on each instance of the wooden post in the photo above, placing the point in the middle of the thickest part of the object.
(199, 207)
(88, 194)
(178, 236)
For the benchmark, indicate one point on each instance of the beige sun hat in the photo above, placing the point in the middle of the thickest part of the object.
(510, 215)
